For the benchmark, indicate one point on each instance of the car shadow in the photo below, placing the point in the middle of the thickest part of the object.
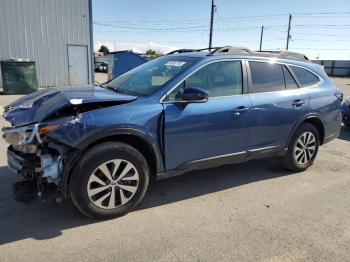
(206, 181)
(344, 133)
(44, 220)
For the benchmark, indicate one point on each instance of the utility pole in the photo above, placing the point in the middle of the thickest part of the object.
(261, 37)
(211, 23)
(288, 36)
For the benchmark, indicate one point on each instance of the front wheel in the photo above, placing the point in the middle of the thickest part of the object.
(303, 148)
(109, 180)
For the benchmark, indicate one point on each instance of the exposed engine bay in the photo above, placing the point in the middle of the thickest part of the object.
(38, 161)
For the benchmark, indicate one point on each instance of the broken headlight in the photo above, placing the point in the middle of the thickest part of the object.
(26, 135)
(21, 135)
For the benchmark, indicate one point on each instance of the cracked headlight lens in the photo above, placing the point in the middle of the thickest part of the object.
(21, 135)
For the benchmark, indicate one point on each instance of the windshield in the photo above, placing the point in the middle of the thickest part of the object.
(149, 77)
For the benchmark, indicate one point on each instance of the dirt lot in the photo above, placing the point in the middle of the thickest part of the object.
(254, 211)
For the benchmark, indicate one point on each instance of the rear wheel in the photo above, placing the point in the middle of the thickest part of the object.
(303, 148)
(109, 180)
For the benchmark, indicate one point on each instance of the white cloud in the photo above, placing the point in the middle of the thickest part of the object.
(134, 46)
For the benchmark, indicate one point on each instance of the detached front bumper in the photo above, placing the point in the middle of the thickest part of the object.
(21, 163)
(29, 156)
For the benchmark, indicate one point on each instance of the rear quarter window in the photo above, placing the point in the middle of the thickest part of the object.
(304, 77)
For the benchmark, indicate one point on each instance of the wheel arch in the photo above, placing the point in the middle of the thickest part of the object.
(140, 143)
(143, 142)
(313, 120)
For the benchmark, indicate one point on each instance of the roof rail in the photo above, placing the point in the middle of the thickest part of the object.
(231, 50)
(286, 55)
(178, 51)
(246, 51)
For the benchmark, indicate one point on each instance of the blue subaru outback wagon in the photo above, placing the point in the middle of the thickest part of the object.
(188, 110)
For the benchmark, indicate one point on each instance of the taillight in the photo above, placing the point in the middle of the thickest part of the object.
(339, 95)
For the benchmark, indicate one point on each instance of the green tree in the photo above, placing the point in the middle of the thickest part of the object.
(153, 53)
(104, 49)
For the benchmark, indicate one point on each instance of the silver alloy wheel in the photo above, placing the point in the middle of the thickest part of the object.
(304, 148)
(113, 184)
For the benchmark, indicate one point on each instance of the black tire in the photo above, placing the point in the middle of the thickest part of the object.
(88, 164)
(290, 161)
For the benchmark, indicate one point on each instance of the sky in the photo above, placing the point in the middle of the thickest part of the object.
(319, 28)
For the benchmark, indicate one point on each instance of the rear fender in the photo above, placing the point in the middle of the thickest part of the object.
(299, 123)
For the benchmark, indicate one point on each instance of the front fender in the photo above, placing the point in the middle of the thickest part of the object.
(88, 141)
(140, 120)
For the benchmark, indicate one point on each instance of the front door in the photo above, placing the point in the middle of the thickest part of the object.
(78, 65)
(218, 127)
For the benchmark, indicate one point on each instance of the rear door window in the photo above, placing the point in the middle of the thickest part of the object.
(290, 82)
(266, 77)
(304, 77)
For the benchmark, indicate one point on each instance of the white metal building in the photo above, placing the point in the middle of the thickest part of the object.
(56, 34)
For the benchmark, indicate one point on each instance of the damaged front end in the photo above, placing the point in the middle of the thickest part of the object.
(37, 160)
(45, 126)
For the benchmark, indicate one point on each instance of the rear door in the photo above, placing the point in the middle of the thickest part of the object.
(216, 128)
(277, 104)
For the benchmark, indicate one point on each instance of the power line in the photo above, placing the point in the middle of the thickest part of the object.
(316, 49)
(227, 25)
(148, 28)
(303, 25)
(320, 40)
(322, 13)
(198, 26)
(229, 28)
(309, 34)
(270, 16)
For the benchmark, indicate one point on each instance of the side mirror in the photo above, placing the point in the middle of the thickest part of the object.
(194, 95)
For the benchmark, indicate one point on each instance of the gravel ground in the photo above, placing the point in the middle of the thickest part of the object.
(254, 211)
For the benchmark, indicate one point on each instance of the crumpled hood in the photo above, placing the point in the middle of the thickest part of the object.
(35, 107)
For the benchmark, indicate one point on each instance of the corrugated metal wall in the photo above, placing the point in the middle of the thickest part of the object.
(335, 67)
(40, 30)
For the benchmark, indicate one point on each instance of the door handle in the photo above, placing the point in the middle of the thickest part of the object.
(298, 103)
(239, 110)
